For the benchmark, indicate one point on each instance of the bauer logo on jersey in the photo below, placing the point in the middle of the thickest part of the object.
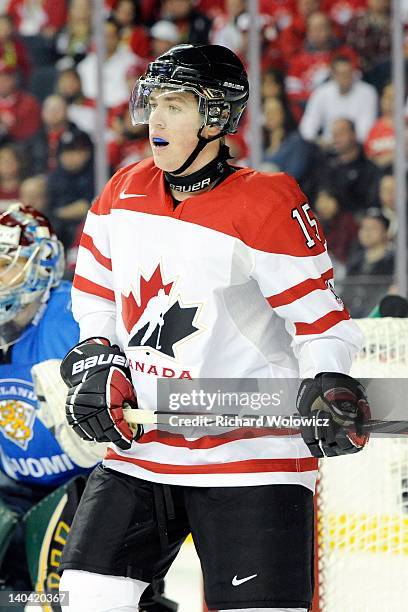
(17, 411)
(156, 319)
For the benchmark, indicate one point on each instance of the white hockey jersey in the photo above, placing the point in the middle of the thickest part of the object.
(232, 283)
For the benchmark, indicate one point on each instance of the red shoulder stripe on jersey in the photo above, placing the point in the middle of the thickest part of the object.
(179, 441)
(303, 464)
(323, 324)
(300, 290)
(87, 242)
(87, 286)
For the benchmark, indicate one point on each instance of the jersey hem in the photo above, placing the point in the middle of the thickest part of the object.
(306, 479)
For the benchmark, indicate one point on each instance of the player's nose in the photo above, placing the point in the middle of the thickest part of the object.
(157, 118)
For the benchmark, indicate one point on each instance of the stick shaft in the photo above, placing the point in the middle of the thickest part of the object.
(149, 417)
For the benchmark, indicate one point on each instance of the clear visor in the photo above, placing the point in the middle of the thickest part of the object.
(146, 92)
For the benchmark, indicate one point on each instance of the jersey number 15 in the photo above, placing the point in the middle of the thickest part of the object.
(306, 221)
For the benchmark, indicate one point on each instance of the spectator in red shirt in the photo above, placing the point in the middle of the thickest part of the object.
(292, 37)
(12, 51)
(33, 17)
(342, 11)
(271, 54)
(212, 8)
(380, 143)
(311, 66)
(133, 35)
(282, 11)
(19, 111)
(10, 173)
(370, 34)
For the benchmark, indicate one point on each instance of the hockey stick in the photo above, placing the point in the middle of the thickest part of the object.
(136, 417)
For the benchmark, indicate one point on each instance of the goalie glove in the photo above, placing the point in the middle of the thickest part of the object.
(340, 406)
(99, 384)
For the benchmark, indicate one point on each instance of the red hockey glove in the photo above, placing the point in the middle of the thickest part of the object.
(339, 403)
(99, 383)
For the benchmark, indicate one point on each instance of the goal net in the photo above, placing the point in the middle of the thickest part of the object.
(362, 501)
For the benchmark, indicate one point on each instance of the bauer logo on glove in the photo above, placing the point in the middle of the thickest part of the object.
(103, 360)
(99, 384)
(342, 400)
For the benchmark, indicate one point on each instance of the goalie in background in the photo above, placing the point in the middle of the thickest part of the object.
(38, 456)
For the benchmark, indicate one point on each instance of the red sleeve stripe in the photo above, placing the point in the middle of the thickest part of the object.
(88, 243)
(323, 324)
(300, 290)
(249, 466)
(83, 284)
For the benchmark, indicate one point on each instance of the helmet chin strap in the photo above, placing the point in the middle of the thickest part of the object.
(202, 142)
(205, 176)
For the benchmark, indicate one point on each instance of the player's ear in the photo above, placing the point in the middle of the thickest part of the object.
(210, 130)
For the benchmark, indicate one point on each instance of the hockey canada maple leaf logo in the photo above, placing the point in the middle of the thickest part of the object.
(155, 320)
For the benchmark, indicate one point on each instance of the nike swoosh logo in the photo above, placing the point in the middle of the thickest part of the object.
(236, 582)
(124, 195)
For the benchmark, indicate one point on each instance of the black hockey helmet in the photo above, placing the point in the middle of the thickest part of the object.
(212, 72)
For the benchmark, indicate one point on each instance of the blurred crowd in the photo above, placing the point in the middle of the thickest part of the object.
(327, 102)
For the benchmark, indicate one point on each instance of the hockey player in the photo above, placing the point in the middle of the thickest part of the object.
(244, 266)
(36, 325)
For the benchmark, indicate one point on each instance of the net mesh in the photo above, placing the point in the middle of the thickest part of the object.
(362, 502)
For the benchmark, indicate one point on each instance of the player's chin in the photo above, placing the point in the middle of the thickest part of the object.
(165, 161)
